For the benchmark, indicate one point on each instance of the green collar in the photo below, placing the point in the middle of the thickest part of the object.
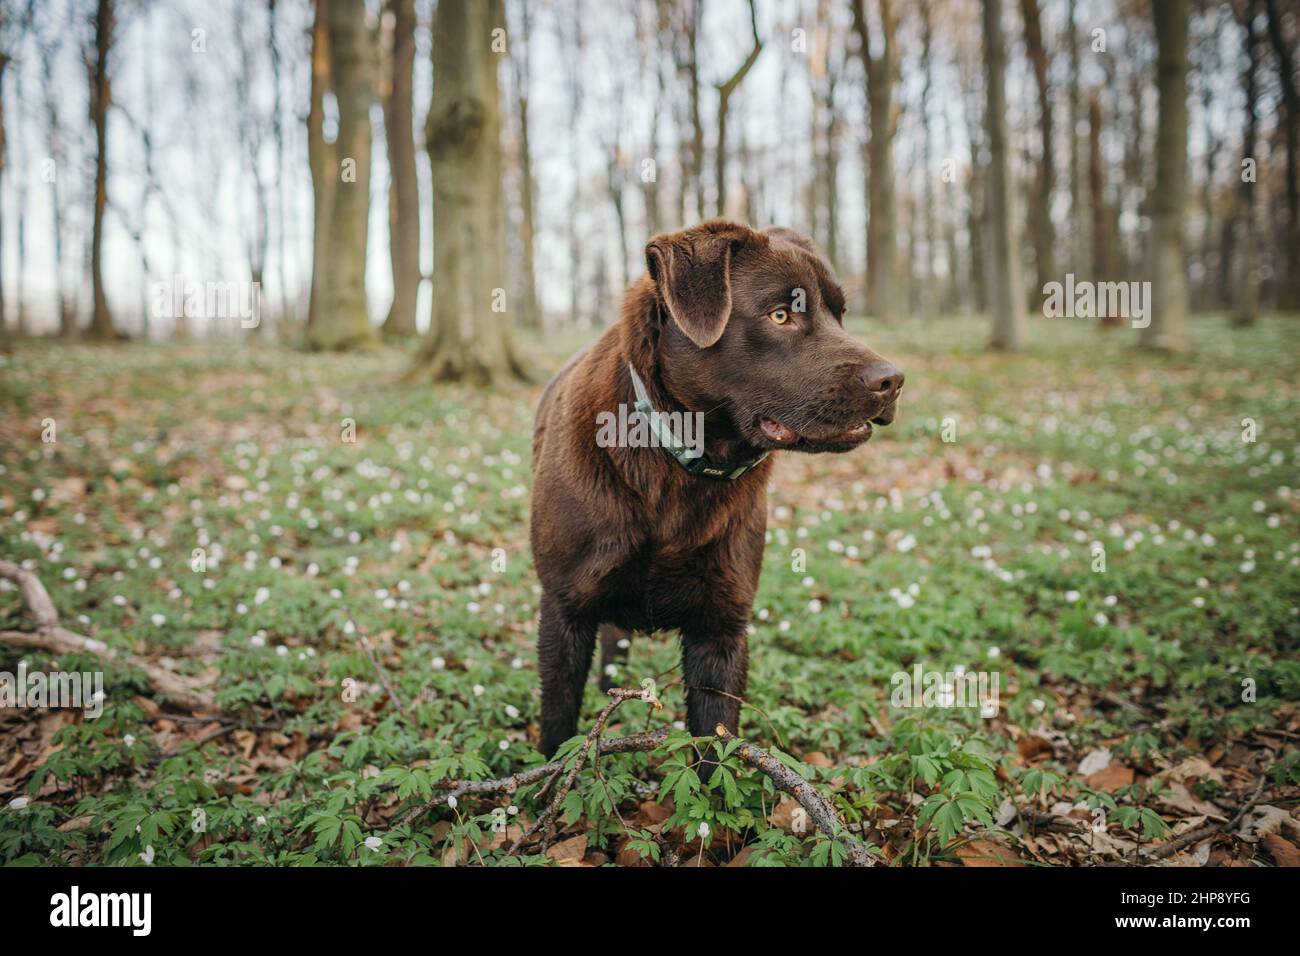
(694, 462)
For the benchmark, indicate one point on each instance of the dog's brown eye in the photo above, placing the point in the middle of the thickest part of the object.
(779, 316)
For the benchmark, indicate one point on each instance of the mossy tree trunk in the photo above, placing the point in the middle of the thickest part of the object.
(469, 335)
(1168, 320)
(341, 322)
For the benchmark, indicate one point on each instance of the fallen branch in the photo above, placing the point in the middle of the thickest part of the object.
(635, 743)
(783, 778)
(817, 806)
(51, 637)
(1166, 850)
(546, 822)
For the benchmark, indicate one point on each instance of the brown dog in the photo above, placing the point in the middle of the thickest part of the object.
(744, 327)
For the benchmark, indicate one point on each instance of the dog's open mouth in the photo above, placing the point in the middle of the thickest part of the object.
(781, 434)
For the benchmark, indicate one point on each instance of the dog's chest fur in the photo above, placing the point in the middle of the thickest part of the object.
(625, 533)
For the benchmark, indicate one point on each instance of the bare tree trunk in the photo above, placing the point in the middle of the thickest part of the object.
(521, 57)
(101, 322)
(1079, 234)
(1209, 296)
(1285, 51)
(1245, 305)
(287, 316)
(67, 318)
(725, 92)
(4, 151)
(321, 158)
(1134, 193)
(825, 63)
(882, 224)
(615, 186)
(404, 195)
(1006, 294)
(1041, 210)
(697, 124)
(1168, 320)
(469, 330)
(342, 321)
(1102, 265)
(572, 42)
(650, 183)
(929, 288)
(977, 210)
(250, 136)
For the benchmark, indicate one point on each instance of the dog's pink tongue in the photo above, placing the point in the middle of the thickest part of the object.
(777, 432)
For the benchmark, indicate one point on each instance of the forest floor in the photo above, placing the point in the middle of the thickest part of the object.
(1089, 526)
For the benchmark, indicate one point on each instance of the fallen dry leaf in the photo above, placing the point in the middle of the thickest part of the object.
(987, 853)
(1032, 747)
(569, 852)
(1112, 778)
(1283, 852)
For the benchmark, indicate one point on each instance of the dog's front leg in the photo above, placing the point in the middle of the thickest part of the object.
(564, 647)
(716, 668)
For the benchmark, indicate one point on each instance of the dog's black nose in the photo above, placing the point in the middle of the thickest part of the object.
(882, 378)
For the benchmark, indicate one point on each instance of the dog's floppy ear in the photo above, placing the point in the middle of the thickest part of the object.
(691, 270)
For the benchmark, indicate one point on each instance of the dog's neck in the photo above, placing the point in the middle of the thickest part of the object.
(644, 324)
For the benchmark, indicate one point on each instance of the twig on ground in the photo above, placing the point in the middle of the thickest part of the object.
(545, 823)
(635, 743)
(374, 662)
(786, 780)
(1166, 850)
(51, 637)
(818, 807)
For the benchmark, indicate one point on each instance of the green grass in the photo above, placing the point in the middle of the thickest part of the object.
(976, 552)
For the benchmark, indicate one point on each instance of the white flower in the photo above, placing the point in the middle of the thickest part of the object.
(512, 711)
(451, 802)
(439, 663)
(1101, 620)
(995, 651)
(479, 690)
(703, 830)
(905, 600)
(906, 544)
(17, 803)
(815, 606)
(374, 842)
(129, 740)
(503, 745)
(159, 620)
(1071, 596)
(147, 855)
